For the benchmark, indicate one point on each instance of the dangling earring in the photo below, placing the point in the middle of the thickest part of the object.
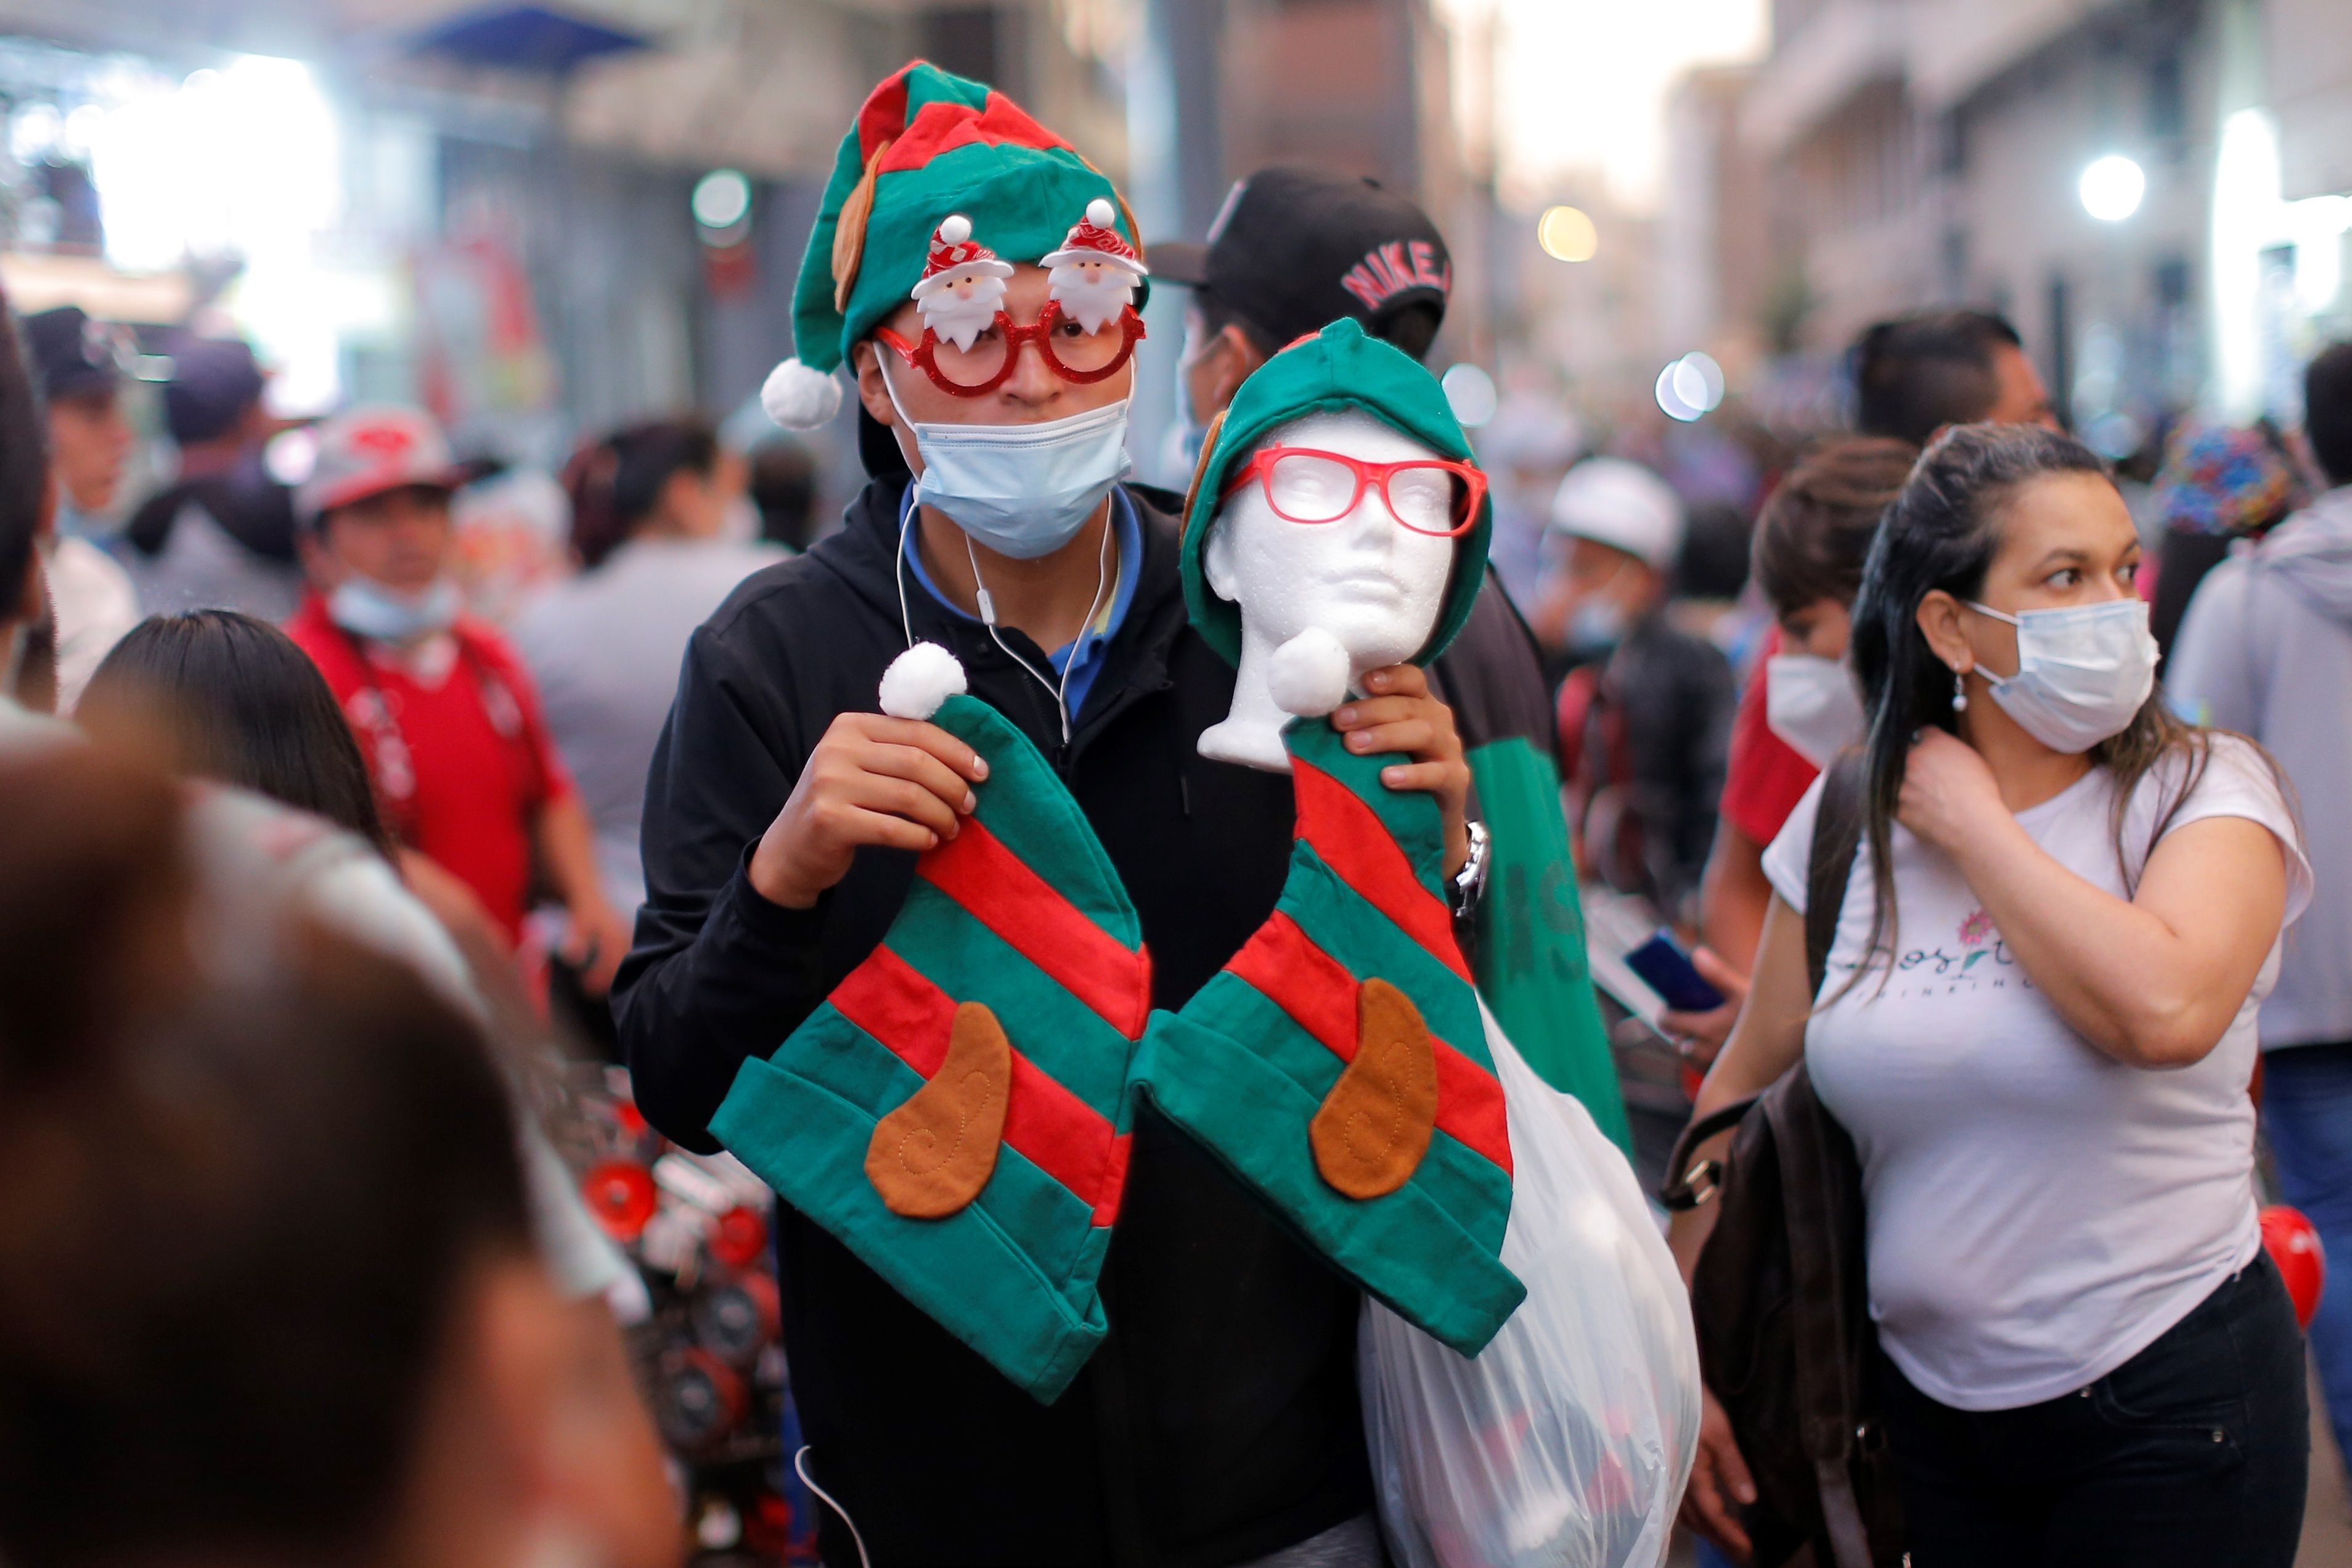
(1959, 692)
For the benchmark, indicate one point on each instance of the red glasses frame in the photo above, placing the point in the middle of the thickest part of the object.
(1260, 467)
(924, 356)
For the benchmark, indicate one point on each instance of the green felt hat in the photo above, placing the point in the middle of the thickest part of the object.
(926, 144)
(1339, 367)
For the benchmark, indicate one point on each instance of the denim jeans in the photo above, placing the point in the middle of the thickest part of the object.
(2307, 1114)
(2194, 1453)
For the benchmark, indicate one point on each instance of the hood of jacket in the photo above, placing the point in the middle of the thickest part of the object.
(2310, 554)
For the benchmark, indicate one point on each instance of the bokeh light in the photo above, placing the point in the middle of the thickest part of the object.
(1691, 387)
(2112, 187)
(1470, 391)
(723, 198)
(1567, 233)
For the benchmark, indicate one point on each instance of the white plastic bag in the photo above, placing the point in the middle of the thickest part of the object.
(1567, 1442)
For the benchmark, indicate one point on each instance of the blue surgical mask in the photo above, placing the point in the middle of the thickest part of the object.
(2082, 672)
(1597, 627)
(1024, 491)
(366, 609)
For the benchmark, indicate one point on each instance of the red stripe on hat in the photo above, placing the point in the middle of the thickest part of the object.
(1000, 890)
(942, 126)
(882, 117)
(1051, 1127)
(1354, 842)
(1284, 963)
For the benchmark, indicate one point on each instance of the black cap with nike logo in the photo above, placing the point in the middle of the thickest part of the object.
(1296, 248)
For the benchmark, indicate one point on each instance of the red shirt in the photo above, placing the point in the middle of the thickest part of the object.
(1766, 777)
(461, 758)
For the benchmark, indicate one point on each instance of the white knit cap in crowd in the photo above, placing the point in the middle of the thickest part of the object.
(1622, 504)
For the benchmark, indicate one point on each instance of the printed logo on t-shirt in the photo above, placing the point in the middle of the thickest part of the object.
(1981, 962)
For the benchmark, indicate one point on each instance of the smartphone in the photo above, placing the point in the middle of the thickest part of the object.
(1666, 969)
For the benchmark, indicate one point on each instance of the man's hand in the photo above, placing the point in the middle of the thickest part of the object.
(1701, 1035)
(896, 783)
(1400, 715)
(1719, 1485)
(595, 939)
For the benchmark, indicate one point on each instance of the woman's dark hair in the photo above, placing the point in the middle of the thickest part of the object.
(616, 482)
(237, 701)
(1815, 530)
(1943, 532)
(235, 1216)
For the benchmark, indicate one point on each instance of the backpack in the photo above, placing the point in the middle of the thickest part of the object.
(1779, 1294)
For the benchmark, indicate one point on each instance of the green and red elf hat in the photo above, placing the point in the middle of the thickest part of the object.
(1338, 1064)
(927, 145)
(956, 1112)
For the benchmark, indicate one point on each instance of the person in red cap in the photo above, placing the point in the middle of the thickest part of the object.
(444, 711)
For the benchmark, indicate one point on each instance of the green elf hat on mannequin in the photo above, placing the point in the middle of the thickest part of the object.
(1339, 1063)
(941, 184)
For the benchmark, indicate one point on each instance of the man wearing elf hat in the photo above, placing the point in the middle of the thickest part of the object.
(979, 281)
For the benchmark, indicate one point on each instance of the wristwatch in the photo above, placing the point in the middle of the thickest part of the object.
(1469, 884)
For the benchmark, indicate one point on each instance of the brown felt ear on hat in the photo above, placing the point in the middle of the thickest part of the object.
(931, 1156)
(1200, 471)
(1374, 1126)
(849, 229)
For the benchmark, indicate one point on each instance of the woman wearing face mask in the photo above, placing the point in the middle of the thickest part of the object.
(2038, 1023)
(1801, 707)
(979, 279)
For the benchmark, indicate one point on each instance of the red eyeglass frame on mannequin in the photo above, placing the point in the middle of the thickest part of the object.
(924, 356)
(1260, 469)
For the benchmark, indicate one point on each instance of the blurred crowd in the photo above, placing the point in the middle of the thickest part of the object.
(341, 735)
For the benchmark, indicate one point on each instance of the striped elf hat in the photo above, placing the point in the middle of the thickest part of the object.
(927, 143)
(956, 1112)
(1338, 1064)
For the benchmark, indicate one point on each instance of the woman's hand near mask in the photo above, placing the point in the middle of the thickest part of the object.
(1398, 714)
(895, 784)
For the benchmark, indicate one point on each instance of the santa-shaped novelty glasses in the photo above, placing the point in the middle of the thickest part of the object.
(969, 345)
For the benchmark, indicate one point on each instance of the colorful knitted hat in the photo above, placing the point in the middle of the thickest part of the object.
(1337, 1063)
(927, 145)
(956, 1112)
(1339, 367)
(2220, 479)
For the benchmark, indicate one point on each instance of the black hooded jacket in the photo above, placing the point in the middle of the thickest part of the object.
(1219, 1421)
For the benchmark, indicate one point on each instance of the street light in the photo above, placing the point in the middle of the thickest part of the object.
(2111, 188)
(1567, 233)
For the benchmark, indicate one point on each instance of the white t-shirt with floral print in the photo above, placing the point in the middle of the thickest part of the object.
(2037, 1212)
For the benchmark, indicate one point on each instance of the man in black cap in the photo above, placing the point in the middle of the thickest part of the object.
(72, 359)
(222, 535)
(1293, 250)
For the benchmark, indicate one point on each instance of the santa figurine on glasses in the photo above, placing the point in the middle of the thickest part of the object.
(963, 287)
(1094, 274)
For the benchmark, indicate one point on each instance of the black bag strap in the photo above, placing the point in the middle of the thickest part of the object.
(1813, 1174)
(1837, 835)
(1688, 1185)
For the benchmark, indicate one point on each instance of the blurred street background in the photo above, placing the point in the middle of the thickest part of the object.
(1666, 222)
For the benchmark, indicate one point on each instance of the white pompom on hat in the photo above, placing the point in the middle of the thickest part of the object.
(920, 680)
(799, 396)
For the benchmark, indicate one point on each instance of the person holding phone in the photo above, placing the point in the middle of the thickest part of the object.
(1801, 708)
(2038, 1023)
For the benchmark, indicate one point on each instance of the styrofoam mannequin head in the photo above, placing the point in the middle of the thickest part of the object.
(1364, 586)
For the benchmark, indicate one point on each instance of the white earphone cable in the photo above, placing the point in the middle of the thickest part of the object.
(800, 1466)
